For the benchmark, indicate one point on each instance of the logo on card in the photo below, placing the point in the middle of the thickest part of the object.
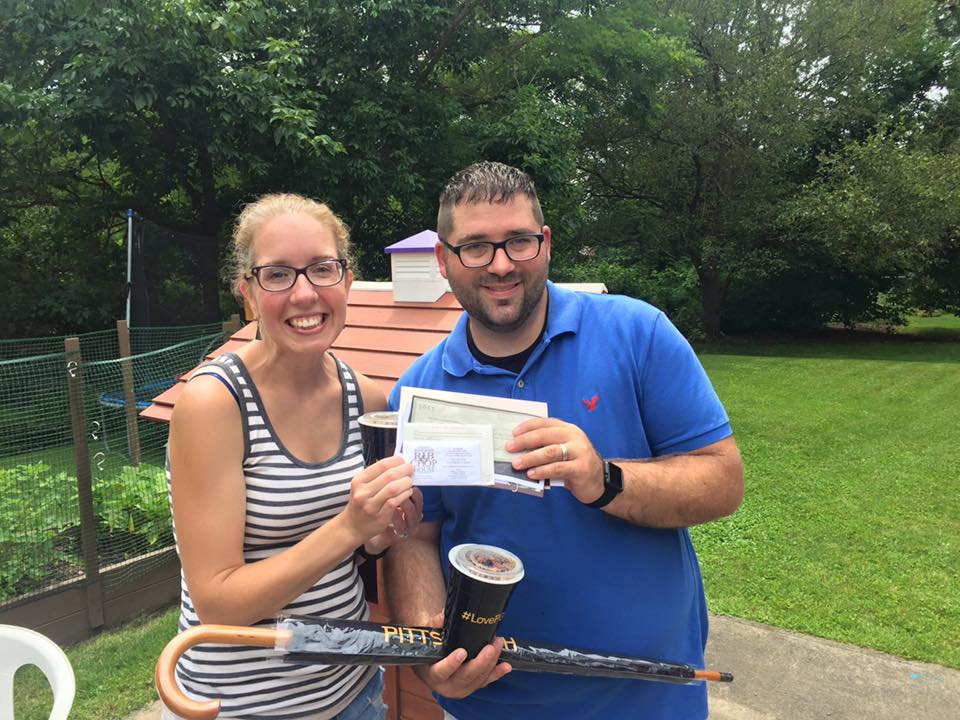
(424, 459)
(591, 404)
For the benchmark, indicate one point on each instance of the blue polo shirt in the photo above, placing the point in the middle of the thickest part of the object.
(620, 370)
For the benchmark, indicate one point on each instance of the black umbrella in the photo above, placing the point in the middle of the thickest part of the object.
(311, 640)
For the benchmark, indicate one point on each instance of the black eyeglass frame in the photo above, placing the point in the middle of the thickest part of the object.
(297, 272)
(455, 249)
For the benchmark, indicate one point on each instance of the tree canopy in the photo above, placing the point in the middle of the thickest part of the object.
(746, 165)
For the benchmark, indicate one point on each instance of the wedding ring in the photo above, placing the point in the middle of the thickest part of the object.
(563, 452)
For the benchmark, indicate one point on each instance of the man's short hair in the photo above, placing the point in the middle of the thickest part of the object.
(490, 182)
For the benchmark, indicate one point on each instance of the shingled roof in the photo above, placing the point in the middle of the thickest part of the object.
(381, 339)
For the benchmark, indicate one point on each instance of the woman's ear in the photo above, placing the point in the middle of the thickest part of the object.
(243, 287)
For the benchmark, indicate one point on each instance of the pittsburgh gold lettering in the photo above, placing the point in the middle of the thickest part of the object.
(412, 634)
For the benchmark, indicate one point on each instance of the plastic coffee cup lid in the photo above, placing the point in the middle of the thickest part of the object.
(384, 418)
(487, 563)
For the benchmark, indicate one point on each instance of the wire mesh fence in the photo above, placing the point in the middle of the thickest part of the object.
(147, 339)
(48, 444)
(98, 345)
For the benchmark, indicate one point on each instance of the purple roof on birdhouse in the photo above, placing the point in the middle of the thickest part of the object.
(423, 241)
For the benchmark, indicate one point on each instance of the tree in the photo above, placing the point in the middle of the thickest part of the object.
(184, 109)
(777, 85)
(159, 106)
(891, 210)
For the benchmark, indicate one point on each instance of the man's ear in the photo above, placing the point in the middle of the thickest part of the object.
(546, 239)
(438, 252)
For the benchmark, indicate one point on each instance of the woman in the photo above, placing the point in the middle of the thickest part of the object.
(271, 503)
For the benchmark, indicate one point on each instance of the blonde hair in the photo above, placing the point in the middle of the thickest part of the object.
(267, 207)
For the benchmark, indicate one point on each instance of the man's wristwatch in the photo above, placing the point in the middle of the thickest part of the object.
(612, 485)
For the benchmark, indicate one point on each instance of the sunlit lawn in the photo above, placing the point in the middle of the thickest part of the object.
(938, 326)
(851, 525)
(114, 673)
(850, 529)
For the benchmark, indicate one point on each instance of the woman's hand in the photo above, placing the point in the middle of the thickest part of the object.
(405, 522)
(382, 497)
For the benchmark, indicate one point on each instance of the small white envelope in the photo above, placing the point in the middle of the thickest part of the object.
(445, 462)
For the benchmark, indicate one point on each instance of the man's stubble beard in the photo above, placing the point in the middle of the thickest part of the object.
(468, 293)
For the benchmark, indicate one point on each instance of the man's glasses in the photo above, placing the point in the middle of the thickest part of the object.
(518, 248)
(277, 278)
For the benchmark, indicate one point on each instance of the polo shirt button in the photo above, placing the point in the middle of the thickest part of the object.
(520, 384)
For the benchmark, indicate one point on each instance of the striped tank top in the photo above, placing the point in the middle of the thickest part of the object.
(286, 499)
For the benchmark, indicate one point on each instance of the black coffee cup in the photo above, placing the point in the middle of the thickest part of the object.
(482, 578)
(378, 435)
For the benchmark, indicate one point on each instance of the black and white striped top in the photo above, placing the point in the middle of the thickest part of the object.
(286, 499)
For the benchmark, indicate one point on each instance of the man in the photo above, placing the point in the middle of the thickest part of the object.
(608, 561)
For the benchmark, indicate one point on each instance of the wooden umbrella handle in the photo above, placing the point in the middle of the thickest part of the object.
(165, 679)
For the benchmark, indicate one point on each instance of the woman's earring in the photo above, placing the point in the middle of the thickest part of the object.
(259, 336)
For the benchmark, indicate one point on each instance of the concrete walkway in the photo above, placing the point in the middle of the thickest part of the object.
(781, 675)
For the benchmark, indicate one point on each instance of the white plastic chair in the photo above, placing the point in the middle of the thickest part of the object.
(21, 646)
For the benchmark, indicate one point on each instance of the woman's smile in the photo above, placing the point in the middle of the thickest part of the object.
(307, 322)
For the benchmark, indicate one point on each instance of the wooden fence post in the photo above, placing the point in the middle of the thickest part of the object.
(232, 325)
(88, 519)
(129, 392)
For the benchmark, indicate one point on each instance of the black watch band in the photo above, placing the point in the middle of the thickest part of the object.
(362, 552)
(612, 485)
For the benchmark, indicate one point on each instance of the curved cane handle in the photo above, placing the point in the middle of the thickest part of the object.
(165, 680)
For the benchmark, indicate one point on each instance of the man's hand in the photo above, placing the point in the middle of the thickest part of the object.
(558, 450)
(672, 491)
(455, 677)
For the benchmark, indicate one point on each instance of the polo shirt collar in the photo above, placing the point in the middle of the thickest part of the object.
(563, 316)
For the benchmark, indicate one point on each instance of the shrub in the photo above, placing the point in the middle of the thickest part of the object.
(673, 289)
(37, 509)
(40, 522)
(132, 505)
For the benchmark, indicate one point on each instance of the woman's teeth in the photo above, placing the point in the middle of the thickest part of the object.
(306, 323)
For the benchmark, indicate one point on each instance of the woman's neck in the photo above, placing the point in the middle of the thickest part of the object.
(267, 365)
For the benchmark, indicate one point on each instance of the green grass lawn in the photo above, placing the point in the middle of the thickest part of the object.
(850, 529)
(114, 673)
(933, 327)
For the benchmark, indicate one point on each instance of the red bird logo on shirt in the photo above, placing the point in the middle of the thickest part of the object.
(591, 403)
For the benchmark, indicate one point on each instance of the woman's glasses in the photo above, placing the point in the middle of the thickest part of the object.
(277, 278)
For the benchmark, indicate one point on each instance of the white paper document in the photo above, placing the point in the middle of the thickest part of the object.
(448, 416)
(443, 454)
(444, 462)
